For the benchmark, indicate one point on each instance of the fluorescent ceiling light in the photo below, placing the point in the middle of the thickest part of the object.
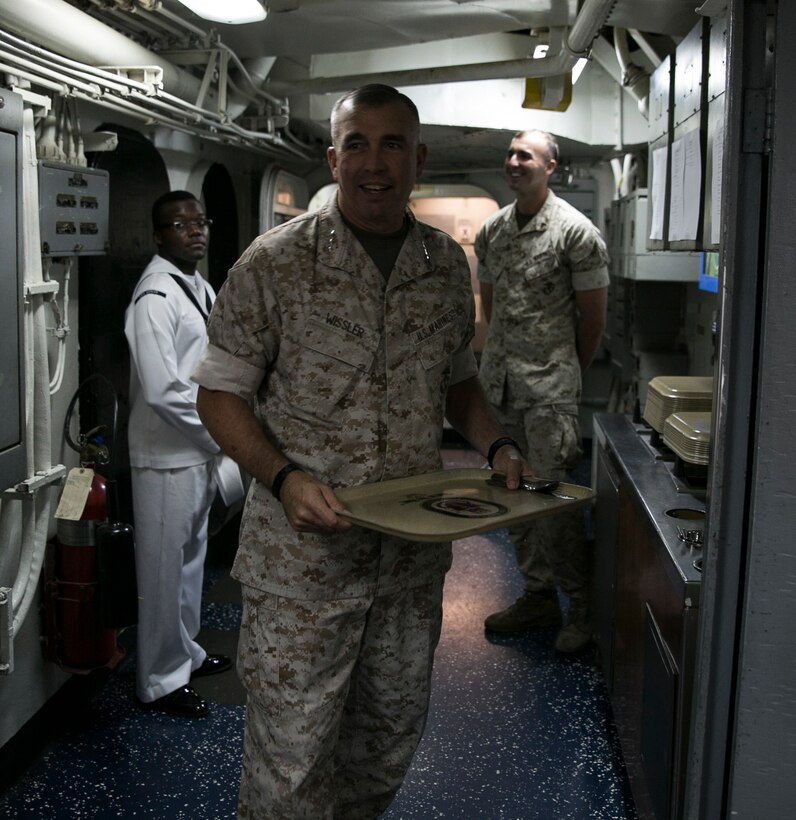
(577, 69)
(227, 11)
(540, 52)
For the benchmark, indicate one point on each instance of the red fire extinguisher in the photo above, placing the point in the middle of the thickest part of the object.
(83, 642)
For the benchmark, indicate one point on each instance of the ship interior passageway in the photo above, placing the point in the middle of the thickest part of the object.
(514, 731)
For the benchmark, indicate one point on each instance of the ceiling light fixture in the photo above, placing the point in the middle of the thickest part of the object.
(577, 69)
(228, 11)
(540, 52)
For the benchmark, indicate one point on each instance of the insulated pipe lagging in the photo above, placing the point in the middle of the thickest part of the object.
(38, 427)
(622, 51)
(591, 18)
(627, 174)
(634, 78)
(616, 167)
(66, 30)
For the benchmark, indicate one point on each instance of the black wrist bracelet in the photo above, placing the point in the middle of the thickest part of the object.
(496, 445)
(279, 478)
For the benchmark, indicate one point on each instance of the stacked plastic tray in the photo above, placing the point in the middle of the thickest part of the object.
(676, 394)
(687, 434)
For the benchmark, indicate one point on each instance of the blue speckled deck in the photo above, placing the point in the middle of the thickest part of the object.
(514, 731)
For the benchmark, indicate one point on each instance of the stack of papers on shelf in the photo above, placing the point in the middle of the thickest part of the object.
(688, 435)
(676, 394)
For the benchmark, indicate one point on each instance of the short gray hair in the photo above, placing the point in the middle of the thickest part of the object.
(373, 95)
(549, 140)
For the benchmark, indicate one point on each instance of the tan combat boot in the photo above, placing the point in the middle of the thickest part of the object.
(577, 634)
(532, 611)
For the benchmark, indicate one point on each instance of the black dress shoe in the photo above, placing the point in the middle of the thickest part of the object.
(212, 665)
(183, 702)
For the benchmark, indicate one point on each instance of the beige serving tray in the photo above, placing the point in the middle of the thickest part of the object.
(450, 504)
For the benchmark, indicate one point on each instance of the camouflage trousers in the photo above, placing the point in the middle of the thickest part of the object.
(337, 698)
(550, 551)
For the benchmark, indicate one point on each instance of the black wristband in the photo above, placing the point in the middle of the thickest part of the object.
(279, 478)
(496, 445)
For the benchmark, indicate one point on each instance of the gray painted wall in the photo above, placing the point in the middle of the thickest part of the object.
(763, 766)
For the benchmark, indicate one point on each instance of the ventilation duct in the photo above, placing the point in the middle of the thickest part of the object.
(587, 25)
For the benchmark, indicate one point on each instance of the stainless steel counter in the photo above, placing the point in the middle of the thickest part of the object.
(650, 478)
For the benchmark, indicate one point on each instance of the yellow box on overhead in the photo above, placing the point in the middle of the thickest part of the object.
(548, 93)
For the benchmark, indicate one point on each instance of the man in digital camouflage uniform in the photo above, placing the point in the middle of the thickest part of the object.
(348, 331)
(542, 267)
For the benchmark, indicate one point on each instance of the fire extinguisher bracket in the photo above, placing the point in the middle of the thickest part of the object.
(76, 593)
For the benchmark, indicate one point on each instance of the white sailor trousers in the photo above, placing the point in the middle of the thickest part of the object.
(170, 511)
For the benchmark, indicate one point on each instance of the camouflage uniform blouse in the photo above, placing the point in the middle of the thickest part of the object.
(534, 273)
(347, 375)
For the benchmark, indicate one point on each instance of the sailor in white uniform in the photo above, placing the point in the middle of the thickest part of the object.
(172, 457)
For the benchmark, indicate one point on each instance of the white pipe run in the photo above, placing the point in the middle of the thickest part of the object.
(616, 168)
(628, 174)
(624, 173)
(65, 29)
(38, 426)
(48, 68)
(587, 25)
(166, 109)
(634, 78)
(591, 18)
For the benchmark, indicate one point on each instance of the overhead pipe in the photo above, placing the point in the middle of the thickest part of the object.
(164, 20)
(502, 70)
(86, 81)
(69, 31)
(616, 168)
(634, 78)
(649, 50)
(589, 21)
(57, 69)
(50, 70)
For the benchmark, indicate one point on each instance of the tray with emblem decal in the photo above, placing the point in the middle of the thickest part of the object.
(450, 504)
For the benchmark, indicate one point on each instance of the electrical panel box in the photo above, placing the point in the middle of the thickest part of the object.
(714, 149)
(661, 100)
(73, 210)
(13, 461)
(691, 72)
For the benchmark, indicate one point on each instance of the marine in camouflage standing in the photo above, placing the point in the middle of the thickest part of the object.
(337, 345)
(543, 271)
